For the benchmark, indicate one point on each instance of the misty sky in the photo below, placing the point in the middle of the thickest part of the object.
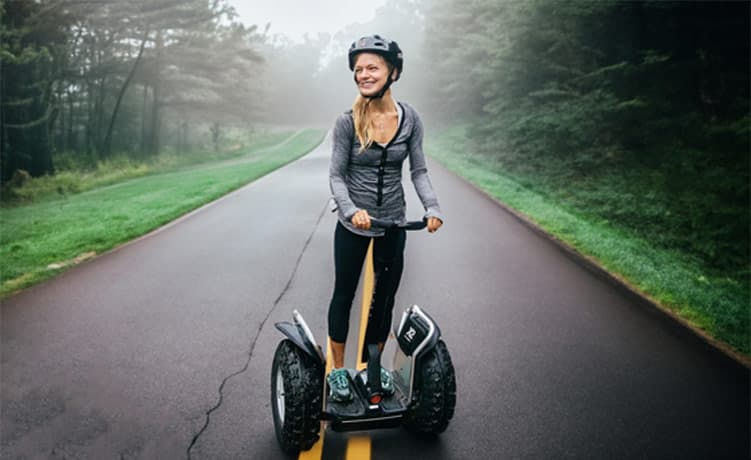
(296, 17)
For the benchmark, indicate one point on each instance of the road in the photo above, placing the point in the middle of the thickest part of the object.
(163, 348)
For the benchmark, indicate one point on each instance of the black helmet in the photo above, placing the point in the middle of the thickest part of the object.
(376, 44)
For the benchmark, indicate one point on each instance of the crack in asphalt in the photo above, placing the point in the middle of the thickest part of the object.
(258, 333)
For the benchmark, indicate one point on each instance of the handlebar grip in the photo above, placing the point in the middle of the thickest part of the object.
(414, 225)
(387, 224)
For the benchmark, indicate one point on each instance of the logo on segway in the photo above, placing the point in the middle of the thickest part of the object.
(410, 334)
(413, 333)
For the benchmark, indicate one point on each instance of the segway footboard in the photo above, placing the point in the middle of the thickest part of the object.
(371, 407)
(360, 414)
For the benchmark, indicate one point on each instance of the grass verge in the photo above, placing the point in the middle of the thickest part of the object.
(709, 301)
(40, 240)
(76, 174)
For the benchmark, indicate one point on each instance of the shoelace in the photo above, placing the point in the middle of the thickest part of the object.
(340, 379)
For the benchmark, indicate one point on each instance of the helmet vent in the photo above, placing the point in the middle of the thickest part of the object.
(376, 44)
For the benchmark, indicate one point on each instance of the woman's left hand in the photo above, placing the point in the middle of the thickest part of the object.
(434, 224)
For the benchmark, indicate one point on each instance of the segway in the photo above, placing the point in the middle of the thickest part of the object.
(424, 381)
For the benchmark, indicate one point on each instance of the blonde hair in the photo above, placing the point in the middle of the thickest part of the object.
(363, 127)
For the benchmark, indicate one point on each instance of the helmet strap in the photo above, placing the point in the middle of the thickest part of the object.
(383, 90)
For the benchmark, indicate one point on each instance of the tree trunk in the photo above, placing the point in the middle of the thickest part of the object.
(70, 143)
(59, 132)
(99, 115)
(5, 170)
(216, 132)
(156, 90)
(144, 138)
(37, 139)
(89, 117)
(184, 132)
(108, 138)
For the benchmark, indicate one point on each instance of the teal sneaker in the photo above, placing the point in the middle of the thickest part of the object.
(387, 382)
(339, 390)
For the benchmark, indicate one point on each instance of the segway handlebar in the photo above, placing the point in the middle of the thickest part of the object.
(390, 224)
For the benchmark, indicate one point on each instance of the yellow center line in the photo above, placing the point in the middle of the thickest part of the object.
(358, 446)
(367, 295)
(315, 452)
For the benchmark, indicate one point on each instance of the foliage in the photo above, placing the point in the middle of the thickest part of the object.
(99, 77)
(708, 299)
(634, 112)
(28, 54)
(76, 174)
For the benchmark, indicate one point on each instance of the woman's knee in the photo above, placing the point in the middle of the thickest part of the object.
(338, 317)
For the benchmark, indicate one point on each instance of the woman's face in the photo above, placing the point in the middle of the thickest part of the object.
(371, 73)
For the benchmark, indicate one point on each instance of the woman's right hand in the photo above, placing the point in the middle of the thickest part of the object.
(361, 220)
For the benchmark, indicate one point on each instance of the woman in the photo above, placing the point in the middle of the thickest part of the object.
(370, 142)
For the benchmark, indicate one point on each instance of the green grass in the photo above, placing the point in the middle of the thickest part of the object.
(76, 173)
(714, 302)
(57, 229)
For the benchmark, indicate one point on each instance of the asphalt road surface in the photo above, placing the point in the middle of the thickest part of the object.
(162, 349)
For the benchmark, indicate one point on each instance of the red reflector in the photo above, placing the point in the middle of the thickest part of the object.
(375, 399)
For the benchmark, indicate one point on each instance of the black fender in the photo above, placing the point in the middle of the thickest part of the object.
(296, 334)
(417, 333)
(417, 336)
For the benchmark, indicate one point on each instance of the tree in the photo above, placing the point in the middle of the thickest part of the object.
(210, 74)
(30, 39)
(70, 69)
(651, 95)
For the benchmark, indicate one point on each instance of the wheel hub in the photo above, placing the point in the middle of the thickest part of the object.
(280, 395)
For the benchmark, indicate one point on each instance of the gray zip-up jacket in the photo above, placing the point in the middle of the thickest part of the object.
(372, 179)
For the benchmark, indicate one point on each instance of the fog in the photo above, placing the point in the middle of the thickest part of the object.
(146, 76)
(305, 76)
(296, 18)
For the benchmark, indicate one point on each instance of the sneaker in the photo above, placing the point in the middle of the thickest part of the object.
(339, 390)
(387, 382)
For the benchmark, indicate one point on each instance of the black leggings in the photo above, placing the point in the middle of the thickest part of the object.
(388, 261)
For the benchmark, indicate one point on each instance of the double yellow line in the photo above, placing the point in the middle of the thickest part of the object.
(358, 446)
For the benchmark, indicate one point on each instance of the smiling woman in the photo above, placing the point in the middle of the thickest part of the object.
(370, 144)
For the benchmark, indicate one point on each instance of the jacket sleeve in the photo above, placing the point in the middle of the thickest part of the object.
(342, 145)
(419, 170)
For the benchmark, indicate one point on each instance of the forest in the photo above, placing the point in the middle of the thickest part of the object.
(633, 113)
(98, 77)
